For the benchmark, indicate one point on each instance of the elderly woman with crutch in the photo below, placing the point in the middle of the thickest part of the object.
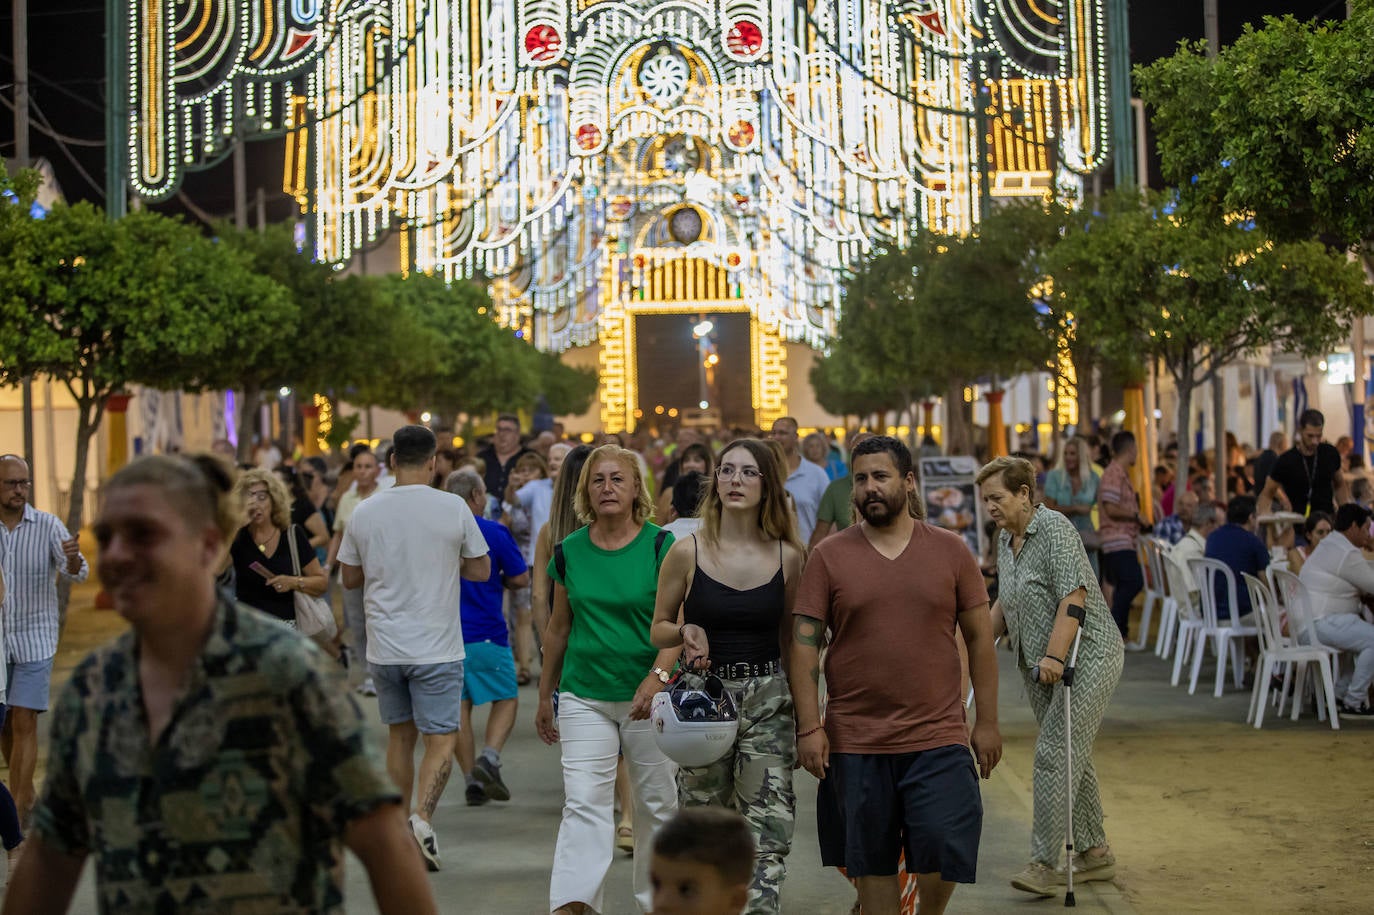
(1050, 607)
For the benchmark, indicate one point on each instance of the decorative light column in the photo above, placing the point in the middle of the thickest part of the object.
(997, 428)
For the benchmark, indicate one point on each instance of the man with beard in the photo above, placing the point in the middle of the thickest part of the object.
(893, 751)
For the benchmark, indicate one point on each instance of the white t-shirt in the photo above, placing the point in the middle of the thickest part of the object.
(409, 542)
(807, 485)
(683, 527)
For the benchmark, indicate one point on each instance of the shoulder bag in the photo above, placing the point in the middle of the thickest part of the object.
(314, 617)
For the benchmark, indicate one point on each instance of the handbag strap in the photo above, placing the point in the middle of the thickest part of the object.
(295, 557)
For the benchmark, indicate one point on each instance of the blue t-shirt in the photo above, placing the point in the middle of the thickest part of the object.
(483, 620)
(1243, 552)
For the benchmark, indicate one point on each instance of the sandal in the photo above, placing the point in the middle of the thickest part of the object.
(522, 677)
(625, 839)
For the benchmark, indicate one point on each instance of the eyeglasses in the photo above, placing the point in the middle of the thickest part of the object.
(16, 484)
(256, 495)
(730, 471)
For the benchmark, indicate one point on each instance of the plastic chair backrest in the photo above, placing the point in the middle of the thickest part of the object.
(1266, 616)
(1143, 542)
(1155, 561)
(1206, 572)
(1295, 602)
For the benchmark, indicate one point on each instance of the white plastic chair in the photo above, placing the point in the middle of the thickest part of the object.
(1292, 594)
(1179, 637)
(1157, 564)
(1226, 634)
(1154, 591)
(1274, 652)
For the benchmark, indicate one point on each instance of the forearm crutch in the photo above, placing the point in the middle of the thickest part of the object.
(1079, 614)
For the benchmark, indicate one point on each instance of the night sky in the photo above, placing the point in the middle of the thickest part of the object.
(66, 59)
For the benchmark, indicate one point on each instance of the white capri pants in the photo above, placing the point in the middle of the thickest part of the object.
(592, 734)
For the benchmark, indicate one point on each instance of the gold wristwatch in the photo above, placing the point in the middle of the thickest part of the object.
(663, 675)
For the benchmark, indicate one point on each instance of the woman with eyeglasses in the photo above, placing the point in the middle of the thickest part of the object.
(261, 555)
(725, 595)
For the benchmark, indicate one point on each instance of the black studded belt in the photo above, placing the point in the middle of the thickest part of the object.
(741, 670)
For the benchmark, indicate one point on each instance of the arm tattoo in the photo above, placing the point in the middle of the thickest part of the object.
(807, 631)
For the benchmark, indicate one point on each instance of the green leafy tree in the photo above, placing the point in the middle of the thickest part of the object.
(98, 305)
(566, 389)
(1197, 293)
(1277, 126)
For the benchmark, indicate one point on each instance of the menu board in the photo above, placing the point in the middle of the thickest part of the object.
(951, 498)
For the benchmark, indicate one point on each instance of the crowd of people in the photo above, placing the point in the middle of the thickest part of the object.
(616, 573)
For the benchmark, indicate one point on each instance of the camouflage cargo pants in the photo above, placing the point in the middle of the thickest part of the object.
(754, 778)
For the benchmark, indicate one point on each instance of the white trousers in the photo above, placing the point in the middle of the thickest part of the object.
(592, 735)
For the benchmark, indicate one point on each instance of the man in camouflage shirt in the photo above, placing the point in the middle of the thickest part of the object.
(211, 758)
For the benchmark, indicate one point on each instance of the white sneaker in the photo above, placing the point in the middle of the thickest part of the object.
(367, 687)
(425, 838)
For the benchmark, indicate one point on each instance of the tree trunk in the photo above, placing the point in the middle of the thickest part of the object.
(249, 399)
(958, 435)
(1184, 381)
(89, 409)
(1219, 432)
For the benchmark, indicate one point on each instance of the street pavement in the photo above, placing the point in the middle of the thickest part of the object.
(496, 858)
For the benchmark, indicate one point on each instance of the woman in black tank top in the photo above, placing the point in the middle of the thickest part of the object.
(725, 594)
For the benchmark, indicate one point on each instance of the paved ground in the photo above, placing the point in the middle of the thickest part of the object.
(497, 857)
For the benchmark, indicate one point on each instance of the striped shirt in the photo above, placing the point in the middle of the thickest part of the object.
(33, 558)
(1116, 489)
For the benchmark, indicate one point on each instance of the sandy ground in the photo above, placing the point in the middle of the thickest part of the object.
(1205, 813)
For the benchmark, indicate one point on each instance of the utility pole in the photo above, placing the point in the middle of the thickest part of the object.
(21, 161)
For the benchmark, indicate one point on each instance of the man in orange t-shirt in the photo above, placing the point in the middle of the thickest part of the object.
(893, 752)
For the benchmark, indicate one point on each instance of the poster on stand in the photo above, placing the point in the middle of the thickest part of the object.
(951, 498)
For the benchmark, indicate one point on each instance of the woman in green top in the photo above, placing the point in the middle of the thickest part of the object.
(1071, 490)
(598, 656)
(1043, 574)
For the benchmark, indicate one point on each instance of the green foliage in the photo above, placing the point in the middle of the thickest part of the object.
(1144, 281)
(341, 430)
(941, 310)
(566, 389)
(1278, 126)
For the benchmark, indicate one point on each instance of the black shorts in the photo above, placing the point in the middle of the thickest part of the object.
(871, 806)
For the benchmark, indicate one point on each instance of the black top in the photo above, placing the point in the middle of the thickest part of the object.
(251, 587)
(302, 509)
(1264, 465)
(741, 625)
(497, 474)
(1309, 481)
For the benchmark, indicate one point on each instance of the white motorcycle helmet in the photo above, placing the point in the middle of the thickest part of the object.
(695, 727)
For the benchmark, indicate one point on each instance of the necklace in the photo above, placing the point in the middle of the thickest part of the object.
(262, 547)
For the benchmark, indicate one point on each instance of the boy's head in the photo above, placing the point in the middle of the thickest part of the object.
(703, 862)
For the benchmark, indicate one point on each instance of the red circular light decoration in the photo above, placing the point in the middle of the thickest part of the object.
(745, 39)
(588, 136)
(543, 43)
(640, 261)
(741, 134)
(732, 259)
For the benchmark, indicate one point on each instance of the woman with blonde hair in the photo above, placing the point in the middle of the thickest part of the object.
(264, 574)
(1071, 490)
(598, 655)
(735, 624)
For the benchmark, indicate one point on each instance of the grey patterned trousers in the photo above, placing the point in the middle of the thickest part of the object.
(1092, 691)
(755, 779)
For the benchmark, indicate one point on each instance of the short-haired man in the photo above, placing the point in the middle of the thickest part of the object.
(1309, 473)
(1205, 519)
(365, 469)
(1337, 576)
(836, 511)
(37, 548)
(703, 862)
(1236, 544)
(1119, 511)
(489, 668)
(499, 460)
(407, 548)
(686, 501)
(1173, 528)
(806, 482)
(209, 759)
(893, 750)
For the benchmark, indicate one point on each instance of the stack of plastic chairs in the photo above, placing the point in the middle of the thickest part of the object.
(1227, 633)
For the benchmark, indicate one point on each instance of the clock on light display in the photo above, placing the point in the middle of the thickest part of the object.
(663, 75)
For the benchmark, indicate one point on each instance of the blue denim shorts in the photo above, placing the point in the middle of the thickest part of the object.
(431, 695)
(489, 674)
(27, 683)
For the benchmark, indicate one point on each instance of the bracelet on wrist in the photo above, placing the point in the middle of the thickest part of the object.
(802, 734)
(1053, 658)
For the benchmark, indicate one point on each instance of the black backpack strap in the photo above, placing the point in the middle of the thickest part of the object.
(658, 544)
(560, 563)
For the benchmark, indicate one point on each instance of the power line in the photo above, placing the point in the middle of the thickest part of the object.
(74, 96)
(46, 128)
